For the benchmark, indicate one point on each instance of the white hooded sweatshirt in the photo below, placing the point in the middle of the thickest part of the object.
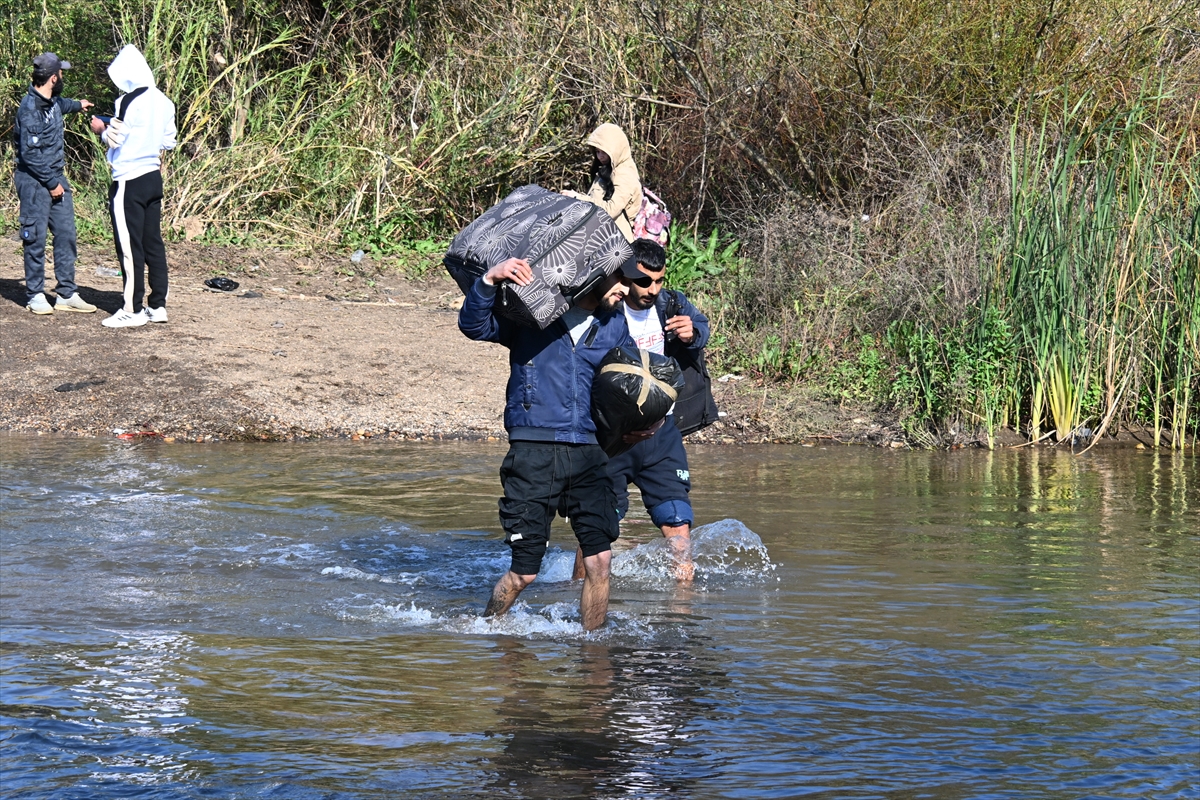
(134, 145)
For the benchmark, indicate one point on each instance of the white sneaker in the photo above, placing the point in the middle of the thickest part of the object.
(38, 304)
(124, 319)
(74, 303)
(155, 314)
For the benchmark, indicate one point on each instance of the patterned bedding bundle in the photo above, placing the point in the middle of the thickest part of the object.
(570, 245)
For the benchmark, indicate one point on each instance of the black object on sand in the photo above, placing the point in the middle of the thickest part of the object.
(221, 284)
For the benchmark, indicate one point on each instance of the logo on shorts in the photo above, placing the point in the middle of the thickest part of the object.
(683, 474)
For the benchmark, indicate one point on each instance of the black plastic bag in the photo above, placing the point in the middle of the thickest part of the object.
(633, 390)
(221, 284)
(570, 245)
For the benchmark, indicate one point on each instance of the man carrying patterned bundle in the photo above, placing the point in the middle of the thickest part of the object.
(554, 463)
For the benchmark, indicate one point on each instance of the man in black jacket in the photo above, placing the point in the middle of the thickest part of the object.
(45, 195)
(661, 321)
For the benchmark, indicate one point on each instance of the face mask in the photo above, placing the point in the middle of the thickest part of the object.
(57, 90)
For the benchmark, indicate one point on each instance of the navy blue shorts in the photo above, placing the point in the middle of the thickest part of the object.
(658, 466)
(541, 479)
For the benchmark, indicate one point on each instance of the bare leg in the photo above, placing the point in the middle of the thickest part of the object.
(577, 571)
(680, 541)
(593, 603)
(505, 593)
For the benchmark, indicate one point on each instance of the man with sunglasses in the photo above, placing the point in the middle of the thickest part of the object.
(661, 321)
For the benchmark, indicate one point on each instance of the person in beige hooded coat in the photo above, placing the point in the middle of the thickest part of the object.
(619, 190)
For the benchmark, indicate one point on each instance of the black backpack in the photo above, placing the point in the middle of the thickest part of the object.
(695, 409)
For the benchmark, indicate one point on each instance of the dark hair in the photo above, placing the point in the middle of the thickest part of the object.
(40, 76)
(650, 254)
(602, 174)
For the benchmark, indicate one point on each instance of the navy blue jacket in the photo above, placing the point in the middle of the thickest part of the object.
(549, 394)
(38, 137)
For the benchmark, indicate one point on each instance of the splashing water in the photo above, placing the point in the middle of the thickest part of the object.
(722, 551)
(350, 573)
(727, 554)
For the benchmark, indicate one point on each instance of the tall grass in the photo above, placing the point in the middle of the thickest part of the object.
(1101, 274)
(312, 121)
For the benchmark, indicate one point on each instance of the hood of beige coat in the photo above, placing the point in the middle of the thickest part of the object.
(612, 140)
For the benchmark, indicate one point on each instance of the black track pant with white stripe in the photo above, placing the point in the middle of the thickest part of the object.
(136, 209)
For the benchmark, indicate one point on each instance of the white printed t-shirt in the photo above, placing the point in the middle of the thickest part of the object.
(645, 328)
(647, 331)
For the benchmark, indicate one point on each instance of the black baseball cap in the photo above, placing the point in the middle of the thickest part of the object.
(50, 62)
(630, 269)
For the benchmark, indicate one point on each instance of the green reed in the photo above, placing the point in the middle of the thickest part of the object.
(1100, 279)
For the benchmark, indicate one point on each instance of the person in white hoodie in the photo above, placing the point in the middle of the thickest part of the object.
(142, 126)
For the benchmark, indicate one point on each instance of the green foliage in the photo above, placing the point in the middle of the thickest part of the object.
(863, 376)
(430, 246)
(694, 264)
(304, 120)
(990, 362)
(770, 356)
(941, 380)
(387, 240)
(922, 381)
(378, 239)
(1098, 242)
(1091, 318)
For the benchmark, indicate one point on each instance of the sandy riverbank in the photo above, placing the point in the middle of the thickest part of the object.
(313, 346)
(306, 347)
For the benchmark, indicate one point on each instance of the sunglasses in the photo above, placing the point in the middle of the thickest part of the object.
(645, 281)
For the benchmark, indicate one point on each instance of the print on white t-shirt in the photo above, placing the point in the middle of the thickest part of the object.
(645, 328)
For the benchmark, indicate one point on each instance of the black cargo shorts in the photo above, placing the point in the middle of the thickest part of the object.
(541, 479)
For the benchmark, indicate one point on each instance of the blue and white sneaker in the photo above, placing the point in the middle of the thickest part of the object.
(38, 304)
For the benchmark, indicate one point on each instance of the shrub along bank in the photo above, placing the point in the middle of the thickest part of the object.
(978, 215)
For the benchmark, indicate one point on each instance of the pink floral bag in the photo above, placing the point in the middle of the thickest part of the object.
(653, 220)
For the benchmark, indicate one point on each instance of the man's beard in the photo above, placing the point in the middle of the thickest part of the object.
(642, 303)
(609, 305)
(57, 90)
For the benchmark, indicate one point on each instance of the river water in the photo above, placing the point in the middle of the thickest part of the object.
(302, 621)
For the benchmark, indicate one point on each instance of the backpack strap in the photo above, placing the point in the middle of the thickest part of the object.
(673, 308)
(122, 108)
(673, 300)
